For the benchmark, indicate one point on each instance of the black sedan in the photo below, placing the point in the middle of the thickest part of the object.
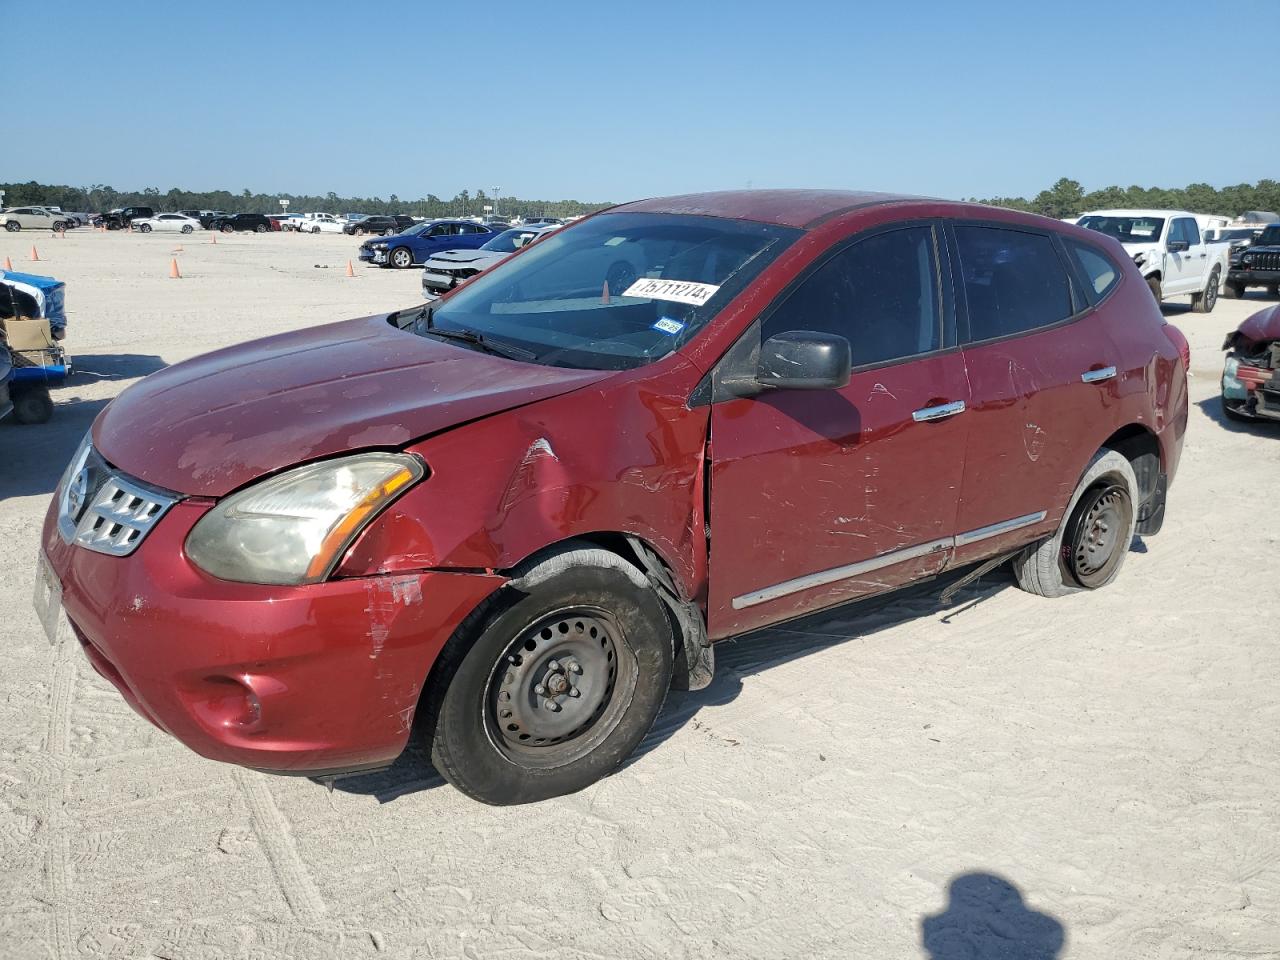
(379, 225)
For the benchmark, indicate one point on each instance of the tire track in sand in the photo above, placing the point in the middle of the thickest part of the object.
(273, 832)
(58, 750)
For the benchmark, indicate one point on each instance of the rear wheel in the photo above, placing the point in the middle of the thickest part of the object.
(227, 228)
(359, 231)
(186, 228)
(59, 226)
(551, 684)
(260, 228)
(32, 405)
(1093, 540)
(1203, 302)
(401, 257)
(389, 232)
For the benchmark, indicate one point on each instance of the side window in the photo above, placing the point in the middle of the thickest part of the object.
(1101, 273)
(1185, 229)
(881, 293)
(1013, 281)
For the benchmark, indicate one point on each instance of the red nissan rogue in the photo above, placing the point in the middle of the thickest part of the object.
(520, 514)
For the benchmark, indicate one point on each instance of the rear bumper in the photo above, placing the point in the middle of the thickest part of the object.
(312, 679)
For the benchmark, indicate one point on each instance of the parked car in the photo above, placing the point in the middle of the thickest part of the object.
(34, 218)
(320, 223)
(444, 271)
(122, 219)
(239, 222)
(420, 242)
(168, 222)
(384, 226)
(1251, 375)
(1257, 265)
(1174, 258)
(517, 535)
(1236, 238)
(288, 222)
(544, 221)
(207, 217)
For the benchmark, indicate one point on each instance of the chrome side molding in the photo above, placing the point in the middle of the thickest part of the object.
(892, 558)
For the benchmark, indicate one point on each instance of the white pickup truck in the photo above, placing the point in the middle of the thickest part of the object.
(320, 223)
(1175, 259)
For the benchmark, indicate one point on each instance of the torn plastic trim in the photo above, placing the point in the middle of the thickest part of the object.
(695, 662)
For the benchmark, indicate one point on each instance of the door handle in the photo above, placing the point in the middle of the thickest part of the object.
(1097, 376)
(940, 412)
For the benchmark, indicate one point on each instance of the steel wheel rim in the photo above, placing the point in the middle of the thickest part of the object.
(560, 688)
(1098, 537)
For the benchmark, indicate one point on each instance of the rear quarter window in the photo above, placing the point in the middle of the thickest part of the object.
(1099, 272)
(1014, 281)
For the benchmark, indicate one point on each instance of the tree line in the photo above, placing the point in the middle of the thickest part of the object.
(1066, 198)
(100, 198)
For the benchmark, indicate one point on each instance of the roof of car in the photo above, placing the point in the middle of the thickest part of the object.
(1137, 212)
(787, 208)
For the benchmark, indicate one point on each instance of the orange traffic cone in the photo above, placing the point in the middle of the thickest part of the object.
(213, 238)
(174, 272)
(35, 256)
(604, 294)
(179, 249)
(8, 264)
(350, 272)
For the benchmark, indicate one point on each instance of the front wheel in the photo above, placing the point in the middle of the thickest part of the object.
(389, 232)
(260, 228)
(552, 683)
(1234, 291)
(1203, 302)
(186, 228)
(60, 226)
(13, 226)
(1153, 284)
(359, 231)
(1093, 540)
(227, 228)
(144, 228)
(401, 257)
(32, 405)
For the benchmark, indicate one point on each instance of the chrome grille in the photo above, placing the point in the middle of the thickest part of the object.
(101, 510)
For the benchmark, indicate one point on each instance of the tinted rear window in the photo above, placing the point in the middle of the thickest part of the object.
(1014, 281)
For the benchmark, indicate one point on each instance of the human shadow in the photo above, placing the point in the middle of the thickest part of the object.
(1211, 407)
(33, 456)
(987, 919)
(735, 659)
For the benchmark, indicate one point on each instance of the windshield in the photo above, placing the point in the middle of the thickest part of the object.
(1126, 229)
(616, 291)
(1270, 237)
(509, 241)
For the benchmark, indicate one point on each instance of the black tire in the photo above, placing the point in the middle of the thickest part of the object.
(13, 226)
(582, 619)
(144, 228)
(1233, 291)
(1153, 284)
(227, 228)
(1231, 410)
(1273, 291)
(359, 231)
(1205, 301)
(260, 228)
(33, 405)
(400, 258)
(1051, 568)
(59, 226)
(186, 228)
(389, 232)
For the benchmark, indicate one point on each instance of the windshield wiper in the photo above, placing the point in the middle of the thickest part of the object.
(487, 344)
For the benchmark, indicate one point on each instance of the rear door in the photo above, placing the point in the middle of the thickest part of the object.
(818, 497)
(1041, 368)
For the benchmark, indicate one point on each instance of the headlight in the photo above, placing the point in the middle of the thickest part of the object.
(295, 527)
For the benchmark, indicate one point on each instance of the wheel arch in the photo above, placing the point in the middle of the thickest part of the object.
(1138, 444)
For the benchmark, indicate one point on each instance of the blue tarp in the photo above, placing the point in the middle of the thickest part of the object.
(49, 295)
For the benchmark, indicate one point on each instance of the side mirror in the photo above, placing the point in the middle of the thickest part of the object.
(1177, 246)
(804, 360)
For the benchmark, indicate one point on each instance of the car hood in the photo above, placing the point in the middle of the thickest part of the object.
(1133, 249)
(1263, 325)
(209, 425)
(474, 258)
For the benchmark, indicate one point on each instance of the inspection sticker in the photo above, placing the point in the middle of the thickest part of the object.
(668, 326)
(680, 291)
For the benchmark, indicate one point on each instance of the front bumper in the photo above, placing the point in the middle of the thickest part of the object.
(319, 678)
(369, 255)
(1253, 278)
(1252, 391)
(436, 284)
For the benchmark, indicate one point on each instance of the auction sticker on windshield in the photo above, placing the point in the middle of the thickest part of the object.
(680, 291)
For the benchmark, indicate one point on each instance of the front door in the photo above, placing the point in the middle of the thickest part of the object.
(818, 497)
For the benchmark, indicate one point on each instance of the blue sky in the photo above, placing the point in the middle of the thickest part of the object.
(597, 100)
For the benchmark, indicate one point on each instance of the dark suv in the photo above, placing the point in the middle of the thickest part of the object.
(1257, 265)
(385, 226)
(523, 512)
(120, 219)
(237, 222)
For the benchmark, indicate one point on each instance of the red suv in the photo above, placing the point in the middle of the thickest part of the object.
(520, 514)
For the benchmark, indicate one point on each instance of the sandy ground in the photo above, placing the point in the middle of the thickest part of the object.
(853, 786)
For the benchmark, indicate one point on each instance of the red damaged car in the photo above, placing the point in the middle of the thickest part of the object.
(1251, 375)
(519, 515)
